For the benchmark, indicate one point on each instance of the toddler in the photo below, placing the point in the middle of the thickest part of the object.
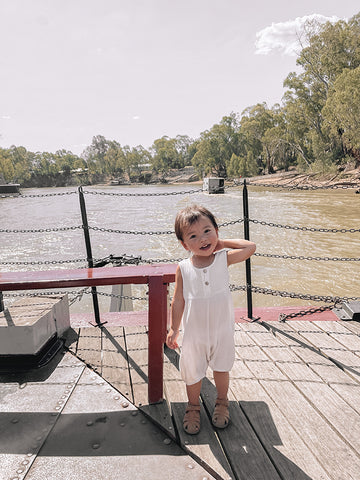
(202, 300)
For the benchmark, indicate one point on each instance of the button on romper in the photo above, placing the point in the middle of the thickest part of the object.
(208, 319)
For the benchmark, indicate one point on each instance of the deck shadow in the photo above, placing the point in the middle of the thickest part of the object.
(123, 433)
(250, 452)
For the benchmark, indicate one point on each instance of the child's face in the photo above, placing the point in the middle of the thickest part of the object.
(201, 237)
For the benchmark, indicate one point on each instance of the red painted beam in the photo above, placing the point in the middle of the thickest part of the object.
(158, 290)
(85, 277)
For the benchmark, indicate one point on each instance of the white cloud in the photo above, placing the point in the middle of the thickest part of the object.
(283, 37)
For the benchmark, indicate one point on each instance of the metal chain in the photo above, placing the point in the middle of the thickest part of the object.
(233, 288)
(126, 260)
(43, 230)
(301, 257)
(302, 296)
(171, 232)
(165, 232)
(45, 262)
(301, 187)
(302, 313)
(306, 229)
(131, 232)
(125, 297)
(46, 195)
(113, 194)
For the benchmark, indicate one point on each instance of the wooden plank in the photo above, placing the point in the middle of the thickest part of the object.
(115, 369)
(136, 339)
(341, 334)
(89, 347)
(205, 445)
(344, 419)
(328, 447)
(285, 447)
(350, 392)
(352, 326)
(241, 445)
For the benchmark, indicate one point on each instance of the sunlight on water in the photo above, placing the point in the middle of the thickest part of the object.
(329, 209)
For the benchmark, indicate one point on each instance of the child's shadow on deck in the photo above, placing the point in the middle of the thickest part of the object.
(249, 441)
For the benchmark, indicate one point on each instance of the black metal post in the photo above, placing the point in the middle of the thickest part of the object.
(247, 262)
(89, 253)
(2, 307)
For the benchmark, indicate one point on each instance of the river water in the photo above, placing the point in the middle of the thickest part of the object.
(328, 209)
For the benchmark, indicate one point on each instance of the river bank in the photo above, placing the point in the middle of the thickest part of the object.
(294, 179)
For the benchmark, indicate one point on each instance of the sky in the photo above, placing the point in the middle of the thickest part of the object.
(136, 70)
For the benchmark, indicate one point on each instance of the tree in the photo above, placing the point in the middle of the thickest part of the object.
(342, 111)
(7, 171)
(95, 154)
(256, 120)
(165, 155)
(216, 147)
(331, 49)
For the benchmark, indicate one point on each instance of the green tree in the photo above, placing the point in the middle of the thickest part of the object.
(342, 111)
(165, 155)
(7, 171)
(255, 121)
(216, 147)
(331, 49)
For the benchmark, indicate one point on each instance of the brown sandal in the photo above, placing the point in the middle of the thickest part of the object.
(191, 423)
(221, 417)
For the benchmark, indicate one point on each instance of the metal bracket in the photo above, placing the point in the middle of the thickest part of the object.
(348, 311)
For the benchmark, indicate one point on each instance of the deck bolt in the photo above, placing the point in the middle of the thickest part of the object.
(134, 413)
(122, 424)
(90, 423)
(96, 445)
(15, 420)
(124, 404)
(167, 441)
(190, 466)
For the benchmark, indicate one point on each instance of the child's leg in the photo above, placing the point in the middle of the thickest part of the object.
(193, 393)
(222, 384)
(221, 416)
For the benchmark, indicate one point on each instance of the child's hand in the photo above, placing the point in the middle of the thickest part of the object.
(171, 338)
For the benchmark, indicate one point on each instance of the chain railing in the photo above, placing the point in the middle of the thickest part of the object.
(126, 259)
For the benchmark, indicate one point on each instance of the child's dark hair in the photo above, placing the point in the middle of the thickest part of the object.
(190, 215)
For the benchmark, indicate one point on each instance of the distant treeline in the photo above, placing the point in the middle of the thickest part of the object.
(316, 127)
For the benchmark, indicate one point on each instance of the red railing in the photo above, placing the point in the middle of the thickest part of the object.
(157, 277)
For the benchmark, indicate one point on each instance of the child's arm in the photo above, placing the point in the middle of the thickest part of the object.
(177, 309)
(240, 249)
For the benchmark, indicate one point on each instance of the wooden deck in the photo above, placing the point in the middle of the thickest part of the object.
(294, 396)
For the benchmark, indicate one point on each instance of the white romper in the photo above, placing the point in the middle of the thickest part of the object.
(208, 319)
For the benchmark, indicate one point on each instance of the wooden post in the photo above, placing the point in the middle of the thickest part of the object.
(157, 336)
